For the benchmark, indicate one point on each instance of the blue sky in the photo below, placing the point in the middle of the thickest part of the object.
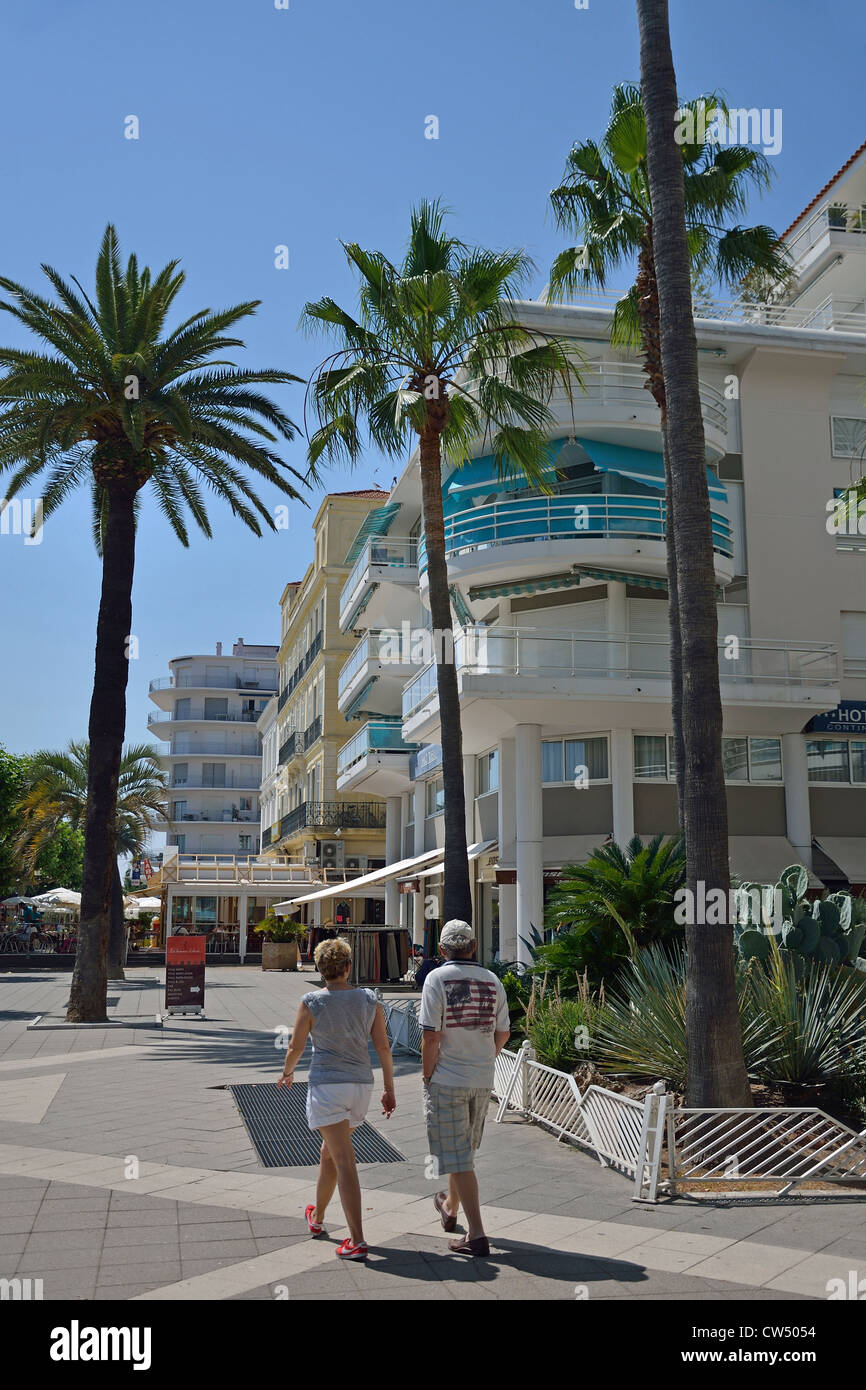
(261, 127)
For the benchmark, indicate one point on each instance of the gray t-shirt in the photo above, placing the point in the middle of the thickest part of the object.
(466, 1004)
(342, 1021)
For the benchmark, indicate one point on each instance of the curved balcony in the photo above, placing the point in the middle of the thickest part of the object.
(620, 528)
(615, 397)
(198, 715)
(376, 750)
(382, 561)
(383, 658)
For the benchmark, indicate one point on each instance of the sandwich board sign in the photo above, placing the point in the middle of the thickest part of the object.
(184, 974)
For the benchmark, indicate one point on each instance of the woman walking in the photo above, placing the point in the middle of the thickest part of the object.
(342, 1021)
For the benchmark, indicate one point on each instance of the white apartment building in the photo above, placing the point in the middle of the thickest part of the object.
(561, 613)
(207, 713)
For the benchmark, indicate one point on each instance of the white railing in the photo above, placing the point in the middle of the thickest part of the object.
(400, 553)
(830, 217)
(577, 516)
(376, 736)
(266, 684)
(180, 747)
(833, 313)
(609, 383)
(229, 868)
(788, 1145)
(200, 715)
(551, 652)
(241, 781)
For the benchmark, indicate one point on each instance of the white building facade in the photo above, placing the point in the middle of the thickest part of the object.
(207, 714)
(561, 613)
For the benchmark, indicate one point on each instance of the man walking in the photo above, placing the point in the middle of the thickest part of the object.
(464, 1015)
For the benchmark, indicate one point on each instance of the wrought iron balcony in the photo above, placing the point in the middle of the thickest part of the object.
(312, 732)
(287, 750)
(333, 815)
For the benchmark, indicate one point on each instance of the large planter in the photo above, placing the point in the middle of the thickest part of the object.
(279, 955)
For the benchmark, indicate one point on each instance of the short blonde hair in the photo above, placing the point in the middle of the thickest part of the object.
(331, 958)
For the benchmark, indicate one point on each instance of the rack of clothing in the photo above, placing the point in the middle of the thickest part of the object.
(431, 940)
(380, 955)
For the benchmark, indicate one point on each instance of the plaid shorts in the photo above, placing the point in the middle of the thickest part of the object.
(455, 1117)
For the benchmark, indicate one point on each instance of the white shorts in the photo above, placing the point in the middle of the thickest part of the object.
(342, 1100)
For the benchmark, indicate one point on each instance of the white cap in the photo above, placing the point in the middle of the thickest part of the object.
(456, 935)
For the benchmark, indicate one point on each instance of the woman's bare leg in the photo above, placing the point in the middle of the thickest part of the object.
(326, 1183)
(338, 1141)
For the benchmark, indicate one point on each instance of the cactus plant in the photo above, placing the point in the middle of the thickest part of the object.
(822, 931)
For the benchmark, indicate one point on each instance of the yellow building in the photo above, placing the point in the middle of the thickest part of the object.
(303, 818)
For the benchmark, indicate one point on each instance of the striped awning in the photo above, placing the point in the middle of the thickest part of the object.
(642, 581)
(458, 603)
(361, 605)
(375, 523)
(539, 585)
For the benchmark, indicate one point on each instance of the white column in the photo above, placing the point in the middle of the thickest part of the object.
(797, 812)
(392, 855)
(242, 925)
(622, 779)
(507, 831)
(418, 898)
(617, 626)
(530, 865)
(469, 819)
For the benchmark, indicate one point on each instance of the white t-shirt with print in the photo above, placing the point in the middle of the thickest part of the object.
(467, 1005)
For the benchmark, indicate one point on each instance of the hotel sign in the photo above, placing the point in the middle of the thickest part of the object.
(844, 719)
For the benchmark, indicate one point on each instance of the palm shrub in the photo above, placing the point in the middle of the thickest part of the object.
(113, 399)
(434, 353)
(604, 911)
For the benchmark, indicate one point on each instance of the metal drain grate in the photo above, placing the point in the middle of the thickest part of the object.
(276, 1121)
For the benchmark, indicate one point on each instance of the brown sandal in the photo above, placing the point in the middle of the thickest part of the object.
(479, 1246)
(449, 1223)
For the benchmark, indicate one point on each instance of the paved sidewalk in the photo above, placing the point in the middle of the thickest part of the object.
(127, 1172)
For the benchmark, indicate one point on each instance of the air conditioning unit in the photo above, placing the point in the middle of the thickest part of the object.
(356, 862)
(330, 853)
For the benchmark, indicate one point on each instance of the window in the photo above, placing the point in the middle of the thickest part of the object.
(213, 774)
(743, 759)
(836, 760)
(245, 842)
(180, 775)
(561, 760)
(178, 810)
(488, 772)
(435, 795)
(849, 436)
(246, 803)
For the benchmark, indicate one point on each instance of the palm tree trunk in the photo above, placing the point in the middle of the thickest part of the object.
(116, 930)
(648, 309)
(106, 730)
(716, 1067)
(457, 899)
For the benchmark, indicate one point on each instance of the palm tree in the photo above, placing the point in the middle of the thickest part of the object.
(56, 793)
(117, 402)
(717, 1069)
(605, 200)
(435, 352)
(620, 899)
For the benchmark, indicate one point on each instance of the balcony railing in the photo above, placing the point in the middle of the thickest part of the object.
(199, 716)
(396, 554)
(287, 750)
(268, 685)
(301, 669)
(312, 732)
(843, 315)
(182, 746)
(547, 653)
(266, 837)
(573, 516)
(376, 736)
(239, 780)
(225, 816)
(830, 217)
(333, 815)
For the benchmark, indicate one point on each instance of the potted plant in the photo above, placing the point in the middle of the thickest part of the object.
(280, 947)
(837, 215)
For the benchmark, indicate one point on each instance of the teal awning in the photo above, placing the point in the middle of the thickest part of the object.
(482, 474)
(530, 586)
(355, 707)
(361, 604)
(458, 603)
(375, 523)
(642, 465)
(641, 581)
